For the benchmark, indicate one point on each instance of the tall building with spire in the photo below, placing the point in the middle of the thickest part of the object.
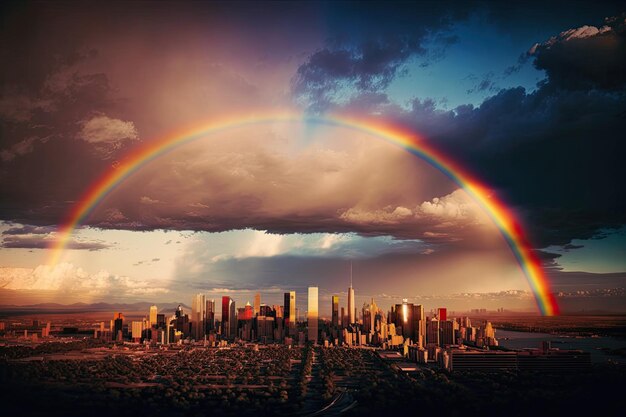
(351, 306)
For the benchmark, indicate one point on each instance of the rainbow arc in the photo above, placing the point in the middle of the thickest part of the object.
(499, 213)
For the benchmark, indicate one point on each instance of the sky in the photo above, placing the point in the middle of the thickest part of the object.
(529, 97)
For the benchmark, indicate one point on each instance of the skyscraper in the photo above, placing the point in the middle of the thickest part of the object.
(442, 313)
(404, 319)
(136, 330)
(290, 309)
(198, 305)
(257, 304)
(229, 319)
(210, 315)
(153, 316)
(118, 327)
(335, 315)
(312, 314)
(421, 324)
(233, 319)
(351, 306)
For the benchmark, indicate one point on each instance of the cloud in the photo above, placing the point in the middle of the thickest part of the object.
(20, 148)
(355, 60)
(67, 277)
(561, 138)
(107, 135)
(42, 237)
(26, 229)
(586, 57)
(45, 242)
(487, 83)
(256, 179)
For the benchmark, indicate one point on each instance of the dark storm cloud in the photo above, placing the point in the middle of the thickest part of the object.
(585, 58)
(369, 45)
(554, 154)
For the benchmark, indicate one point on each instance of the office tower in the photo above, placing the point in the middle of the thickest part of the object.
(233, 319)
(229, 318)
(266, 311)
(312, 314)
(405, 319)
(137, 329)
(153, 316)
(446, 332)
(118, 326)
(442, 314)
(257, 304)
(286, 306)
(367, 318)
(344, 319)
(209, 314)
(290, 309)
(161, 321)
(247, 312)
(421, 324)
(351, 306)
(198, 304)
(432, 331)
(335, 315)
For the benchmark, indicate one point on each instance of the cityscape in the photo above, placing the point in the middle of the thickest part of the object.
(312, 208)
(262, 359)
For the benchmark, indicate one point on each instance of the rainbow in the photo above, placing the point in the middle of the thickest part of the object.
(502, 216)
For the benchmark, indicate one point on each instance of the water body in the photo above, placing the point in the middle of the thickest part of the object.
(594, 345)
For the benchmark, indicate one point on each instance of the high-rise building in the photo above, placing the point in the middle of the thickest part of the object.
(161, 321)
(442, 313)
(257, 304)
(290, 309)
(312, 314)
(369, 316)
(233, 319)
(405, 319)
(351, 306)
(335, 315)
(432, 331)
(209, 314)
(198, 326)
(446, 332)
(153, 316)
(421, 324)
(118, 326)
(137, 329)
(229, 318)
(247, 313)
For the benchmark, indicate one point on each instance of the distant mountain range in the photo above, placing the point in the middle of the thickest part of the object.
(83, 307)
